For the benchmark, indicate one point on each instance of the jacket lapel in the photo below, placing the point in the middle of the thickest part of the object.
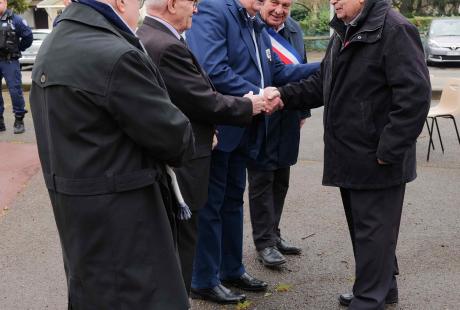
(160, 27)
(241, 19)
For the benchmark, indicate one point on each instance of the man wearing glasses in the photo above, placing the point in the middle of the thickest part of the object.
(105, 129)
(193, 93)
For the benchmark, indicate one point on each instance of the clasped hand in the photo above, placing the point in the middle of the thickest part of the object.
(268, 101)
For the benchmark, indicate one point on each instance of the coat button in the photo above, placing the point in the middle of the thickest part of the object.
(359, 37)
(43, 78)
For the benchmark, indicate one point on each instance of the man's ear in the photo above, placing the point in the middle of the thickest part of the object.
(120, 5)
(172, 6)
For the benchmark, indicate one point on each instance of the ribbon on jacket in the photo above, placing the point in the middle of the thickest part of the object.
(285, 51)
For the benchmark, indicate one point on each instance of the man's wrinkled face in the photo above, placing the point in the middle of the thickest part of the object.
(275, 12)
(185, 10)
(347, 10)
(252, 6)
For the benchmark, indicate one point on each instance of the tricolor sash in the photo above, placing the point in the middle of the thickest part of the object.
(285, 51)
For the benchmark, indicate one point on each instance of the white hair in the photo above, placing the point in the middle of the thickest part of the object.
(155, 4)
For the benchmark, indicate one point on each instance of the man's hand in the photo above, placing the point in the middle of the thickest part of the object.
(258, 103)
(273, 100)
(302, 122)
(214, 140)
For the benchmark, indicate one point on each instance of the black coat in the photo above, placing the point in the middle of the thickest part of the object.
(105, 127)
(375, 88)
(193, 93)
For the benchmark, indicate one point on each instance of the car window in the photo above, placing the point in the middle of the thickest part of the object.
(445, 28)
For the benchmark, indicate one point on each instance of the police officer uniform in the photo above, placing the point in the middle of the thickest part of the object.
(15, 36)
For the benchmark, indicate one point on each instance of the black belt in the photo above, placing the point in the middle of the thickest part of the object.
(101, 185)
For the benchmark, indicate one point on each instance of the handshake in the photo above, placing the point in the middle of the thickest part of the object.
(268, 101)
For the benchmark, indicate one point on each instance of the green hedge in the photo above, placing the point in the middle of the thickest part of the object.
(421, 22)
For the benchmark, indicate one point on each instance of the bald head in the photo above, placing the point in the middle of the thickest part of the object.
(127, 9)
(177, 13)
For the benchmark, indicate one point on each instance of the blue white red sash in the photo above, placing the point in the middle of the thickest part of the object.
(285, 51)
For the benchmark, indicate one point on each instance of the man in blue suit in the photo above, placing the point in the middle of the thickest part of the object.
(232, 46)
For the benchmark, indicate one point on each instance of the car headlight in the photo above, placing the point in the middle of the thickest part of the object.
(433, 43)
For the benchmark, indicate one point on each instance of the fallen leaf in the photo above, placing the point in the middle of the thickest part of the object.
(267, 294)
(282, 287)
(243, 305)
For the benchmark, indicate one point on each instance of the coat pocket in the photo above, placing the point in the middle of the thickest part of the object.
(367, 120)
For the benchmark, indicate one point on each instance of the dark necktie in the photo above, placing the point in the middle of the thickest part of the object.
(183, 41)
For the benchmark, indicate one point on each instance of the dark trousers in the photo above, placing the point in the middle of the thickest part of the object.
(10, 70)
(186, 242)
(267, 192)
(373, 218)
(219, 251)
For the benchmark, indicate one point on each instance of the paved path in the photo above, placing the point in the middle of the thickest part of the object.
(18, 163)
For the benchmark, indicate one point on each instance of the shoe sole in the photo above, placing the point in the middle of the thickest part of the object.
(387, 302)
(270, 265)
(221, 302)
(290, 252)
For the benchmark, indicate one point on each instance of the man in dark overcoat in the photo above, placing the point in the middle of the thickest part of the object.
(105, 129)
(375, 88)
(193, 93)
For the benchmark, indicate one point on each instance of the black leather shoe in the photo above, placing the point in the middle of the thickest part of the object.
(2, 124)
(19, 125)
(248, 283)
(219, 294)
(287, 248)
(271, 257)
(392, 298)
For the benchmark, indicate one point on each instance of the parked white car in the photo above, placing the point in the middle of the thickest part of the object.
(443, 41)
(28, 56)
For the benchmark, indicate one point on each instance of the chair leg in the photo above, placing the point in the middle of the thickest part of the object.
(439, 134)
(456, 129)
(431, 138)
(429, 133)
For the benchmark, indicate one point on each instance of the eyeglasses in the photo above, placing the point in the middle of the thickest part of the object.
(195, 3)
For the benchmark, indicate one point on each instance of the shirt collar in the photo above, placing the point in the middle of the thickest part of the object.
(109, 12)
(281, 27)
(167, 25)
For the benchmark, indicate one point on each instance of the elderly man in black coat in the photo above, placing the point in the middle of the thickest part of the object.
(375, 88)
(105, 129)
(193, 93)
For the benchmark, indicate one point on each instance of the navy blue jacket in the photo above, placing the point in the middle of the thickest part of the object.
(21, 28)
(221, 40)
(281, 148)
